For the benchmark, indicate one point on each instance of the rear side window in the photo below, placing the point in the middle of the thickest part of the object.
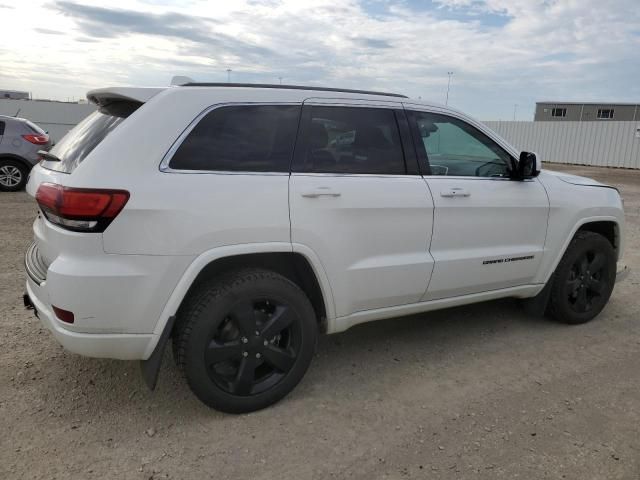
(78, 143)
(1, 128)
(249, 138)
(352, 140)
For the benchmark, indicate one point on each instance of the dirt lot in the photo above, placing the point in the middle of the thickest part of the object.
(474, 392)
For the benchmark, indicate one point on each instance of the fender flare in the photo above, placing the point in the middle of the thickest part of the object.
(205, 258)
(576, 227)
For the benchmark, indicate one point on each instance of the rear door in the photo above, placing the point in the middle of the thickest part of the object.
(489, 231)
(357, 201)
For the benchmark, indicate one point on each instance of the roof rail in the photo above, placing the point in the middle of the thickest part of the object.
(290, 87)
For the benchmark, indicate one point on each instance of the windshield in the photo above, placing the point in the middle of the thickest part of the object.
(79, 142)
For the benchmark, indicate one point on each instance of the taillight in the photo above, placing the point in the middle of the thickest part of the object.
(41, 139)
(80, 209)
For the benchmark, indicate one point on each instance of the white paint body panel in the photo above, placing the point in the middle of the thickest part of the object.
(387, 246)
(372, 240)
(500, 220)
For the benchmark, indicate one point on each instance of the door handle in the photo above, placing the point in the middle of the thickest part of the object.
(320, 192)
(455, 192)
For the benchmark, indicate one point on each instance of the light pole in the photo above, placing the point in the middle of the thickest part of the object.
(228, 75)
(515, 109)
(449, 74)
(280, 78)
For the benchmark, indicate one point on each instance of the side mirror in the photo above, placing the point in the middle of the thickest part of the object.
(528, 166)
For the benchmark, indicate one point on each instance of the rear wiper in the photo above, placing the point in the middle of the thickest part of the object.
(48, 156)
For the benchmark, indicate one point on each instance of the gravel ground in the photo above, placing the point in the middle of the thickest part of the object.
(474, 392)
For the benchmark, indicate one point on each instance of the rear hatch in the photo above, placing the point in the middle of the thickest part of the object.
(53, 233)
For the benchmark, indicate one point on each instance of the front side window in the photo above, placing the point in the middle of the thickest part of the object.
(352, 140)
(249, 138)
(454, 147)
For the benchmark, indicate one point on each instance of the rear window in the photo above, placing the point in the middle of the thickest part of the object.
(78, 143)
(249, 138)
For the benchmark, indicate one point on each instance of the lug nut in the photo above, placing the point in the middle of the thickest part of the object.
(244, 340)
(245, 354)
(266, 343)
(258, 355)
(257, 333)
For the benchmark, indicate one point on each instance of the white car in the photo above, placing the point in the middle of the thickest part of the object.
(241, 221)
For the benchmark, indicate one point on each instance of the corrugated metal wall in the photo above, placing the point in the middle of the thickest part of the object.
(605, 144)
(57, 118)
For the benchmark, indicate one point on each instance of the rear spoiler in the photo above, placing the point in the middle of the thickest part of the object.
(102, 96)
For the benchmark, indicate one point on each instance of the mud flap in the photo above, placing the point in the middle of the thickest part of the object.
(150, 368)
(537, 306)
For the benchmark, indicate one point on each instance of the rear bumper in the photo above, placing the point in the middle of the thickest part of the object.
(118, 346)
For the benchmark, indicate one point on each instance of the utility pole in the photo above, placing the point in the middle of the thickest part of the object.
(515, 109)
(280, 78)
(229, 75)
(449, 74)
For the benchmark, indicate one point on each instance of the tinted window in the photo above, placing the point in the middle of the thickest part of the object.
(79, 142)
(454, 147)
(1, 128)
(256, 138)
(352, 140)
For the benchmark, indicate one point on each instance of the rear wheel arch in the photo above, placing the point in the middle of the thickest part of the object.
(7, 156)
(291, 265)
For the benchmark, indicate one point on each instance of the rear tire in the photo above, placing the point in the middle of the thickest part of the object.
(13, 175)
(584, 279)
(244, 341)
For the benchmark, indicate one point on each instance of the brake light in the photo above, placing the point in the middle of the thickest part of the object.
(41, 139)
(80, 209)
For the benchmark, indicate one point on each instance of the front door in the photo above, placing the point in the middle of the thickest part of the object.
(353, 202)
(489, 231)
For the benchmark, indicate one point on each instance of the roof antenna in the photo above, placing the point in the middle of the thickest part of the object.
(180, 80)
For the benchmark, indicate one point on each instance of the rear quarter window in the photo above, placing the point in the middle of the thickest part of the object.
(87, 135)
(249, 138)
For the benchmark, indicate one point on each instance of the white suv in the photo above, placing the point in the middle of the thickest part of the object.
(242, 220)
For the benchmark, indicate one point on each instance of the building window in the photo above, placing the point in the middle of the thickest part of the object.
(558, 112)
(605, 113)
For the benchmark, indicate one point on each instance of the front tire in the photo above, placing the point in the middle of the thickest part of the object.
(13, 175)
(584, 279)
(245, 341)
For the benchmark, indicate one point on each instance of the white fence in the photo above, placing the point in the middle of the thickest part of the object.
(604, 143)
(57, 118)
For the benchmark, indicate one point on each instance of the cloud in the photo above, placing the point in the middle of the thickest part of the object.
(48, 31)
(103, 22)
(502, 52)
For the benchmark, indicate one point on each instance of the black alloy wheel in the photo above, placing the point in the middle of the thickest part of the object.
(245, 340)
(584, 279)
(254, 347)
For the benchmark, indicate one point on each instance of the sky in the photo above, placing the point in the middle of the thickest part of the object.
(504, 54)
